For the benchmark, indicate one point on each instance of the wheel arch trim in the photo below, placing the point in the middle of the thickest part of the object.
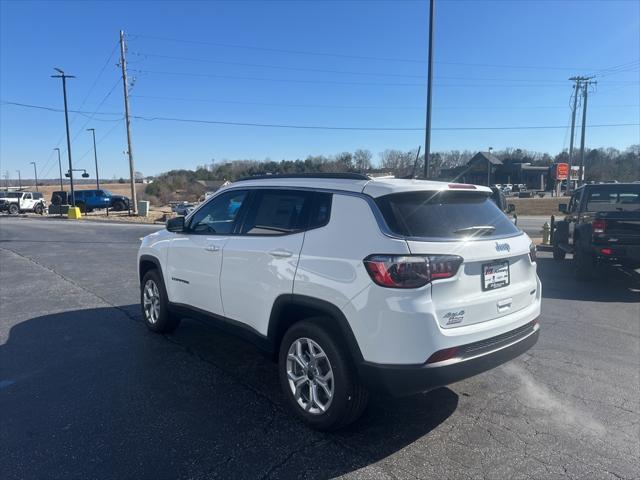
(146, 259)
(283, 316)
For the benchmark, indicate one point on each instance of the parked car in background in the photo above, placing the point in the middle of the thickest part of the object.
(602, 226)
(20, 202)
(88, 200)
(184, 208)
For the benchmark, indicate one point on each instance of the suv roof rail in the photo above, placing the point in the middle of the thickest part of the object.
(340, 176)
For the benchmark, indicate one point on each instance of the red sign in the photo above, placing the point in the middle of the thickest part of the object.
(561, 171)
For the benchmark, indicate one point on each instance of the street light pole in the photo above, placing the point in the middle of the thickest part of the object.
(19, 180)
(60, 167)
(66, 119)
(35, 173)
(95, 155)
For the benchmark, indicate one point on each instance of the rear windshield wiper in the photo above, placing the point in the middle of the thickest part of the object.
(476, 230)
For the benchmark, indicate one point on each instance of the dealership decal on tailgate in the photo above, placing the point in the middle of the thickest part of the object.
(495, 275)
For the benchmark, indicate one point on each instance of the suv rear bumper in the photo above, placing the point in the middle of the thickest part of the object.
(475, 358)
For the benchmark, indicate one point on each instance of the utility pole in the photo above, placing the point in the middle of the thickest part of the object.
(95, 155)
(60, 167)
(427, 133)
(19, 180)
(66, 119)
(123, 64)
(585, 92)
(35, 173)
(576, 87)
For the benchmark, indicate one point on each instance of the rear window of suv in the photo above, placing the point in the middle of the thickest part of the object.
(444, 215)
(615, 198)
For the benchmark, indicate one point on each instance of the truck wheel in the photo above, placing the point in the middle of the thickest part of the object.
(558, 253)
(119, 206)
(82, 207)
(38, 209)
(318, 377)
(14, 209)
(155, 304)
(584, 264)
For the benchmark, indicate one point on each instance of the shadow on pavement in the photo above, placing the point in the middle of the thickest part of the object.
(559, 282)
(92, 393)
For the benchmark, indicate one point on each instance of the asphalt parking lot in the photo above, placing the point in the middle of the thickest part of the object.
(87, 392)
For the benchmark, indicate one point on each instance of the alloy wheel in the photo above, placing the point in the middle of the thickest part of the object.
(310, 376)
(151, 301)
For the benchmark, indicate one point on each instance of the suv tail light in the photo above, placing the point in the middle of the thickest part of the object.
(598, 226)
(533, 255)
(410, 271)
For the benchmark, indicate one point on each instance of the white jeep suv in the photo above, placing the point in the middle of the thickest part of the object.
(354, 284)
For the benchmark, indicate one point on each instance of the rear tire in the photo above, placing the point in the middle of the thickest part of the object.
(82, 207)
(584, 264)
(14, 209)
(155, 304)
(318, 377)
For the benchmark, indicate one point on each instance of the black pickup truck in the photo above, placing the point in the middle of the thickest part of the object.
(602, 226)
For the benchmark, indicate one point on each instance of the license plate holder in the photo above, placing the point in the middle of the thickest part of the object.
(495, 275)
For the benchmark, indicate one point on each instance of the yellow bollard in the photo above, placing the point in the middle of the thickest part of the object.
(74, 213)
(546, 232)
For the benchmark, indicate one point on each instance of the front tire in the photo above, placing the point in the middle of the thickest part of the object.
(155, 304)
(318, 377)
(38, 209)
(119, 206)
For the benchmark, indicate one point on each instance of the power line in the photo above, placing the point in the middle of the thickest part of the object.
(109, 132)
(349, 56)
(86, 97)
(54, 109)
(344, 82)
(322, 127)
(90, 115)
(343, 72)
(372, 107)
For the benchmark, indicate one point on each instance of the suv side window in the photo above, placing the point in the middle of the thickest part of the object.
(278, 212)
(27, 196)
(219, 215)
(321, 211)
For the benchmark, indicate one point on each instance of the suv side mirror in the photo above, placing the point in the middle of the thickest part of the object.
(563, 207)
(175, 224)
(511, 208)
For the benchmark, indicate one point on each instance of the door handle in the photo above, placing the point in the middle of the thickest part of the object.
(280, 253)
(212, 248)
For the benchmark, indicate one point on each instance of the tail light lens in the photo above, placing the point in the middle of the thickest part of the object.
(532, 253)
(410, 271)
(598, 226)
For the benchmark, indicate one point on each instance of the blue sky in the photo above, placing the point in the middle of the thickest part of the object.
(323, 63)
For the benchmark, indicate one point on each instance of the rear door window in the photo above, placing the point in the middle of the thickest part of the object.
(278, 212)
(444, 215)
